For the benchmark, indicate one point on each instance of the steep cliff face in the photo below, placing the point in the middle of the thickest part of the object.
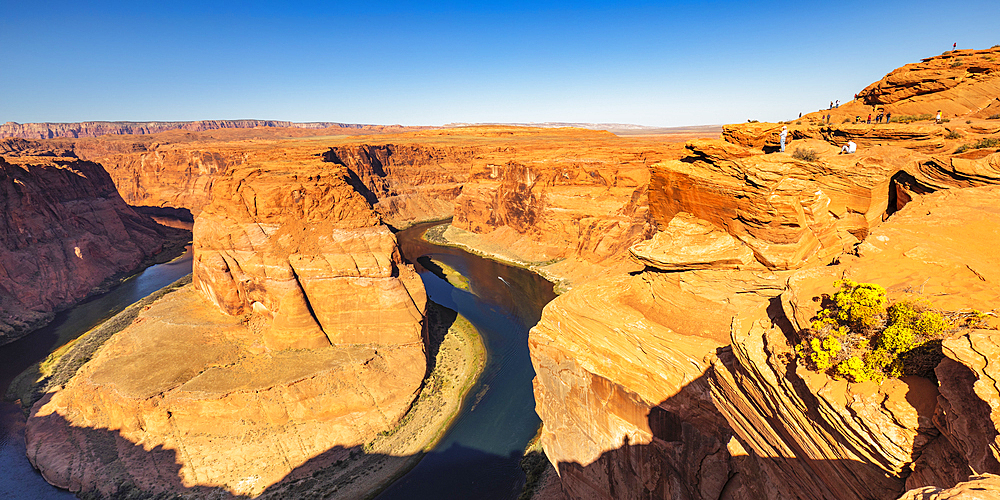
(304, 251)
(301, 336)
(572, 199)
(620, 382)
(64, 230)
(749, 241)
(408, 183)
(816, 438)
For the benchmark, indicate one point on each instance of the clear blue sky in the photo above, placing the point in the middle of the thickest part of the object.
(423, 63)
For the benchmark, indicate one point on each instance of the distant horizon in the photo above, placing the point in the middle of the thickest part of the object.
(335, 122)
(654, 64)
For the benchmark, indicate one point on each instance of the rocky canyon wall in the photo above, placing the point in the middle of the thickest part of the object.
(408, 183)
(64, 231)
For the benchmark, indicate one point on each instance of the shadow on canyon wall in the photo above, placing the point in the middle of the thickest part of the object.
(691, 457)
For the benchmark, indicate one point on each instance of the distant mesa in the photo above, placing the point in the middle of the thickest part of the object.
(95, 129)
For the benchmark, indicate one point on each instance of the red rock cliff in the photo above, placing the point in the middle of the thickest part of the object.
(64, 230)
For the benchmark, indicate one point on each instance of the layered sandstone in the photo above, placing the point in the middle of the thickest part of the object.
(300, 337)
(978, 487)
(620, 382)
(959, 83)
(605, 361)
(569, 200)
(185, 401)
(302, 249)
(408, 183)
(64, 231)
(745, 412)
(788, 212)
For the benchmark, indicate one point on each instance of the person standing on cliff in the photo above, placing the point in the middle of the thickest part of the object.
(869, 119)
(888, 116)
(937, 120)
(954, 46)
(784, 135)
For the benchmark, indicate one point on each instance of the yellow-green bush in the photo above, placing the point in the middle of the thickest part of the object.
(860, 336)
(860, 304)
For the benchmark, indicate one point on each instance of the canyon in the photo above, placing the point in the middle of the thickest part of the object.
(687, 267)
(67, 234)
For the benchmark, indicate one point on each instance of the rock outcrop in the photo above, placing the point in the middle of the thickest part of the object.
(570, 200)
(959, 83)
(979, 487)
(64, 231)
(637, 404)
(302, 249)
(408, 183)
(789, 212)
(621, 388)
(301, 336)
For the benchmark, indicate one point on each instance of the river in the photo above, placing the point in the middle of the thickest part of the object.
(479, 456)
(18, 480)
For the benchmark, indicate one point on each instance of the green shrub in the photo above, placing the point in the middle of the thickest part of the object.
(913, 118)
(854, 369)
(994, 117)
(859, 336)
(805, 154)
(860, 304)
(956, 64)
(986, 142)
(953, 134)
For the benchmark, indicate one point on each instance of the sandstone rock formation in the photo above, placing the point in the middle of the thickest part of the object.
(303, 250)
(408, 183)
(691, 243)
(301, 336)
(959, 83)
(620, 382)
(788, 432)
(789, 212)
(185, 401)
(636, 405)
(569, 200)
(979, 487)
(64, 231)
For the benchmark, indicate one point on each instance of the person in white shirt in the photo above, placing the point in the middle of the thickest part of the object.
(849, 148)
(784, 135)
